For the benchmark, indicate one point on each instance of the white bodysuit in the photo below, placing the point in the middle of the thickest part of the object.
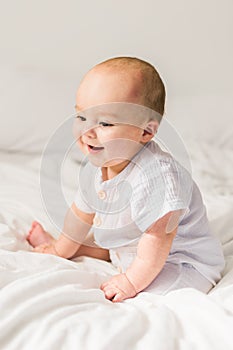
(150, 186)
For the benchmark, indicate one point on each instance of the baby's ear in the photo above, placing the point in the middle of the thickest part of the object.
(150, 129)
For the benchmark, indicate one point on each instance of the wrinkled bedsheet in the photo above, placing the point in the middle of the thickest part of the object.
(47, 302)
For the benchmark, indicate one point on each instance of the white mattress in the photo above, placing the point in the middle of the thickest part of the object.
(48, 302)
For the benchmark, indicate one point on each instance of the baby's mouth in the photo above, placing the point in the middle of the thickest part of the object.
(95, 148)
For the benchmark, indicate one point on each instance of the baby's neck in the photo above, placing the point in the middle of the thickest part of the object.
(110, 172)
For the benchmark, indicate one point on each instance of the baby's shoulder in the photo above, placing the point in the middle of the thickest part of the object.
(153, 159)
(154, 164)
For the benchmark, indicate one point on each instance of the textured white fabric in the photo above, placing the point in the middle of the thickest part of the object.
(171, 277)
(51, 303)
(178, 276)
(152, 185)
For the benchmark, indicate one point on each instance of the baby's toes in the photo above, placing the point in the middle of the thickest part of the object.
(34, 224)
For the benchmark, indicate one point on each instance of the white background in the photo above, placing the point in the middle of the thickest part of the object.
(47, 46)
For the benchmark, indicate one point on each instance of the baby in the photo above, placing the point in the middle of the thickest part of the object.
(141, 205)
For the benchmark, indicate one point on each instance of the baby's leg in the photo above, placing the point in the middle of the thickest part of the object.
(94, 252)
(178, 276)
(89, 248)
(43, 242)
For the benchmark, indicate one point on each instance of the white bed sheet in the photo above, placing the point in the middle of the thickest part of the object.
(51, 303)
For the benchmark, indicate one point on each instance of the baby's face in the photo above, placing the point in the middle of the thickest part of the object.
(104, 139)
(109, 126)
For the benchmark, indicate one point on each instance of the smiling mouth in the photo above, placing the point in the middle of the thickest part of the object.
(95, 148)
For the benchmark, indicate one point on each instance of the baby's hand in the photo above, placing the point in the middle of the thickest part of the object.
(118, 288)
(45, 249)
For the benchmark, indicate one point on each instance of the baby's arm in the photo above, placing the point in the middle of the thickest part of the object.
(76, 223)
(152, 252)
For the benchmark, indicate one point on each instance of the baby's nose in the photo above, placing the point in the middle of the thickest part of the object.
(91, 132)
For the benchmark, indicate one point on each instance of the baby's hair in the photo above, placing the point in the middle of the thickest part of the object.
(153, 90)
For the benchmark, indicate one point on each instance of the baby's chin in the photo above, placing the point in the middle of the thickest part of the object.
(103, 162)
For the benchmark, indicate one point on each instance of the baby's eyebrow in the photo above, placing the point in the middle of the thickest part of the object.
(100, 114)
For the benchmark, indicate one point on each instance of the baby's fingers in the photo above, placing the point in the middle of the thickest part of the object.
(118, 297)
(109, 290)
(103, 285)
(110, 294)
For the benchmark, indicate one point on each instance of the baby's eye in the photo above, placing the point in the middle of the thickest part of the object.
(105, 124)
(80, 117)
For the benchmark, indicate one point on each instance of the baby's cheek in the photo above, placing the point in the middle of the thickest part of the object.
(82, 146)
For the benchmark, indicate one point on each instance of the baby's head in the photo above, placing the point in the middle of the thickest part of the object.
(128, 88)
(123, 79)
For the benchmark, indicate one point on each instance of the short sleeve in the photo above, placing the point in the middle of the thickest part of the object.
(163, 186)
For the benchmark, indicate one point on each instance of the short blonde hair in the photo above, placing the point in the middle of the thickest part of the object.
(153, 89)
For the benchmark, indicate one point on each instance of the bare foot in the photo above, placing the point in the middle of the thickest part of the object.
(46, 249)
(37, 235)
